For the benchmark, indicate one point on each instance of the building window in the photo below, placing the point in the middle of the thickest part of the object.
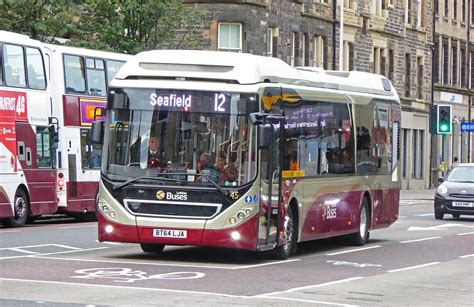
(379, 61)
(436, 6)
(230, 37)
(436, 60)
(455, 9)
(303, 50)
(463, 67)
(293, 48)
(407, 74)
(405, 151)
(471, 74)
(446, 8)
(454, 64)
(269, 42)
(445, 66)
(422, 13)
(408, 11)
(463, 11)
(418, 14)
(348, 61)
(419, 66)
(319, 51)
(415, 154)
(377, 7)
(391, 64)
(422, 152)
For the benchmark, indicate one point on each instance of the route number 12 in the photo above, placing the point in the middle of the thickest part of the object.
(219, 100)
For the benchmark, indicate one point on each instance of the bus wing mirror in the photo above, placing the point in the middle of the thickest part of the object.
(257, 118)
(264, 136)
(97, 132)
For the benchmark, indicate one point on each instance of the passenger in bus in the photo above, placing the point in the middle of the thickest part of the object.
(226, 172)
(204, 167)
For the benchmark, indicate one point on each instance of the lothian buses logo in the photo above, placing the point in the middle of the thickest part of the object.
(160, 194)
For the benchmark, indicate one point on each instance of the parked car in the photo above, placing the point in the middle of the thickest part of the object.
(455, 195)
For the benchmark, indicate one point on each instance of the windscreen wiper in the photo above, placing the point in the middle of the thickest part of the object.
(121, 185)
(215, 184)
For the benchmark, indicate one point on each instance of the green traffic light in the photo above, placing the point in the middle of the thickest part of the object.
(444, 128)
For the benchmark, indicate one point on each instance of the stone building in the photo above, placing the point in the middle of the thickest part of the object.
(453, 78)
(389, 37)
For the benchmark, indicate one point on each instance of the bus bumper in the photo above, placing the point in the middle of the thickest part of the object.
(243, 236)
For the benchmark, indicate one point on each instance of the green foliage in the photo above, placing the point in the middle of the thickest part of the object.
(40, 19)
(127, 26)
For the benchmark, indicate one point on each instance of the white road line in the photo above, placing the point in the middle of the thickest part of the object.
(164, 290)
(120, 287)
(22, 251)
(304, 301)
(419, 240)
(466, 256)
(425, 214)
(413, 267)
(263, 264)
(466, 233)
(311, 286)
(27, 246)
(111, 243)
(165, 264)
(353, 250)
(82, 226)
(67, 247)
(55, 253)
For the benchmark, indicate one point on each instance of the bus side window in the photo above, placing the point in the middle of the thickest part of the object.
(1, 66)
(13, 57)
(74, 74)
(95, 77)
(43, 147)
(36, 74)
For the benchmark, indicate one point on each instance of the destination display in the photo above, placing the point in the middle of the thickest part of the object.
(187, 101)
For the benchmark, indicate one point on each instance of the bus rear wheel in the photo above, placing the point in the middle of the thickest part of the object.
(21, 209)
(282, 252)
(152, 248)
(362, 235)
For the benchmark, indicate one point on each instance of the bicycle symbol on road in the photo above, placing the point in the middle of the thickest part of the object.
(129, 275)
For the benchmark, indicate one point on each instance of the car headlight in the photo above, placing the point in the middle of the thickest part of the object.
(442, 189)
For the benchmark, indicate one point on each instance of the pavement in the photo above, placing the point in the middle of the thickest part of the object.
(417, 194)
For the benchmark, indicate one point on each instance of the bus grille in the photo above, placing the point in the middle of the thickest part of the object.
(172, 209)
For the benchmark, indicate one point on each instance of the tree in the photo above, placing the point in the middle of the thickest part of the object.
(126, 26)
(131, 26)
(40, 19)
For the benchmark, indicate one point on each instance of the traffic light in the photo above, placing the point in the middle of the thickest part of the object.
(444, 119)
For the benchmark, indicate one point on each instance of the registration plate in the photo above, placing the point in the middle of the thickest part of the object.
(170, 233)
(463, 204)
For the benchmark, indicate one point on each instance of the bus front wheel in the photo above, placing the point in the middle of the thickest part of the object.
(21, 209)
(282, 252)
(152, 248)
(362, 235)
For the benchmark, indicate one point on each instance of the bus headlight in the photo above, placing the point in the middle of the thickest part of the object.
(107, 210)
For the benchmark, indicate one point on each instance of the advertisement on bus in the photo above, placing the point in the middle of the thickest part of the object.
(12, 108)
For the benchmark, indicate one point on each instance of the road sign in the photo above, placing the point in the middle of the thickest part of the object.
(467, 127)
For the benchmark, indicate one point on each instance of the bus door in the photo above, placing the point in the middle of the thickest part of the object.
(270, 206)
